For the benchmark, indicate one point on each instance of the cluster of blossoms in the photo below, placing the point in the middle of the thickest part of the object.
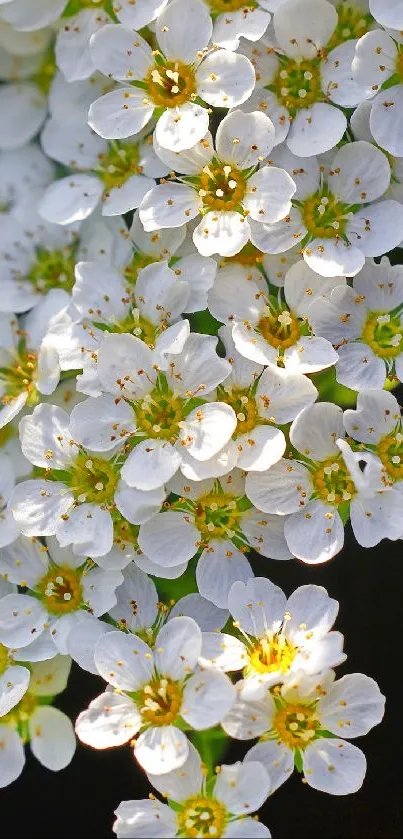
(200, 332)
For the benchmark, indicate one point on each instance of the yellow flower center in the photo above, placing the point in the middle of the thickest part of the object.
(4, 659)
(383, 333)
(20, 714)
(19, 377)
(139, 260)
(93, 479)
(170, 84)
(272, 655)
(217, 516)
(52, 269)
(61, 590)
(332, 481)
(353, 23)
(160, 702)
(390, 452)
(244, 406)
(296, 725)
(324, 216)
(248, 256)
(159, 415)
(201, 817)
(297, 84)
(221, 187)
(125, 534)
(280, 329)
(118, 164)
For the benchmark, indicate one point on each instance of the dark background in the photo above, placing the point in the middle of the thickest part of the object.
(79, 801)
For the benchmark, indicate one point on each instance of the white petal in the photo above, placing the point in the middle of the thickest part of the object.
(387, 12)
(282, 395)
(207, 429)
(223, 652)
(254, 138)
(137, 506)
(22, 619)
(177, 648)
(170, 540)
(208, 616)
(244, 827)
(37, 506)
(181, 784)
(260, 448)
(265, 534)
(13, 684)
(12, 756)
(168, 205)
(71, 199)
(257, 606)
(45, 437)
(315, 534)
(126, 197)
(334, 766)
(183, 29)
(181, 128)
(386, 120)
(224, 233)
(25, 106)
(98, 424)
(119, 52)
(358, 367)
(316, 129)
(88, 528)
(249, 719)
(268, 195)
(72, 48)
(121, 113)
(377, 229)
(353, 706)
(52, 738)
(150, 464)
(278, 237)
(312, 614)
(207, 699)
(360, 173)
(162, 749)
(303, 26)
(277, 758)
(124, 660)
(315, 431)
(125, 366)
(144, 818)
(50, 677)
(110, 720)
(137, 600)
(225, 79)
(338, 78)
(250, 23)
(283, 489)
(375, 417)
(242, 787)
(221, 565)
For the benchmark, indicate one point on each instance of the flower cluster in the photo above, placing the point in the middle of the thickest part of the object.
(200, 333)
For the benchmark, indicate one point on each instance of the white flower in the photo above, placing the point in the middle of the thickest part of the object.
(118, 174)
(378, 59)
(377, 425)
(24, 98)
(273, 328)
(279, 636)
(14, 680)
(8, 528)
(218, 806)
(154, 689)
(225, 186)
(49, 732)
(161, 415)
(22, 170)
(29, 361)
(322, 486)
(389, 13)
(365, 324)
(235, 19)
(301, 723)
(181, 72)
(81, 496)
(306, 77)
(213, 519)
(59, 587)
(336, 216)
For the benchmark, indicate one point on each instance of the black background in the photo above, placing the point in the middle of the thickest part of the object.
(79, 801)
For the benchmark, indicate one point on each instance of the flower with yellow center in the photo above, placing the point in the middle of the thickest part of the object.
(378, 63)
(173, 82)
(157, 690)
(377, 425)
(301, 723)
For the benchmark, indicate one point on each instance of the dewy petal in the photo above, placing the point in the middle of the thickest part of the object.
(169, 205)
(150, 465)
(225, 79)
(283, 489)
(207, 698)
(302, 27)
(52, 738)
(146, 818)
(268, 195)
(257, 606)
(242, 787)
(315, 431)
(181, 784)
(70, 199)
(207, 429)
(244, 140)
(224, 233)
(120, 113)
(360, 173)
(111, 719)
(182, 127)
(162, 749)
(12, 757)
(316, 130)
(219, 566)
(315, 534)
(177, 648)
(120, 53)
(353, 705)
(183, 29)
(169, 538)
(124, 660)
(249, 23)
(334, 766)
